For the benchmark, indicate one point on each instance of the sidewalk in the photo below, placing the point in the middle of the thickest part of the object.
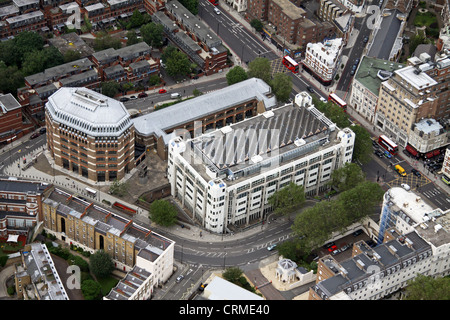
(417, 164)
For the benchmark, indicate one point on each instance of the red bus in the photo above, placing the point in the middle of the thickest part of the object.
(214, 2)
(290, 63)
(333, 97)
(388, 144)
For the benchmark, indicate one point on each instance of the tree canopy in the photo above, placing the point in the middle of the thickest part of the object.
(177, 63)
(260, 68)
(163, 213)
(428, 288)
(282, 86)
(347, 177)
(152, 33)
(288, 199)
(101, 264)
(235, 75)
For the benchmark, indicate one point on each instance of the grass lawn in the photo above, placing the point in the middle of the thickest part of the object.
(107, 284)
(7, 248)
(425, 19)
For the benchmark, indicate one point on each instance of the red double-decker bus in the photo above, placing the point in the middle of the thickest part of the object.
(214, 2)
(333, 97)
(388, 144)
(290, 63)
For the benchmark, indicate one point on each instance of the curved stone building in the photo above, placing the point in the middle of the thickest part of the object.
(90, 134)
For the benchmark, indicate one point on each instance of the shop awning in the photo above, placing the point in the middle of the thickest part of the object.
(411, 150)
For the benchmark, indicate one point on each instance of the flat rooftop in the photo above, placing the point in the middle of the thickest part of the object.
(275, 136)
(419, 80)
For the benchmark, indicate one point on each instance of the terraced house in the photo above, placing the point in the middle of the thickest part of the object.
(91, 227)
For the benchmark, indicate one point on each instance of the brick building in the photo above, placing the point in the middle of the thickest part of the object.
(89, 134)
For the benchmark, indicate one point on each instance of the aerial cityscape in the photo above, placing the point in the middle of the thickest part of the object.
(217, 150)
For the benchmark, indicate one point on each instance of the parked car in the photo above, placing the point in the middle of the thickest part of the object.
(357, 232)
(328, 245)
(142, 95)
(43, 130)
(356, 62)
(323, 99)
(179, 278)
(366, 39)
(332, 248)
(405, 186)
(335, 252)
(124, 99)
(217, 11)
(371, 243)
(34, 135)
(271, 247)
(416, 173)
(310, 89)
(133, 98)
(162, 90)
(345, 247)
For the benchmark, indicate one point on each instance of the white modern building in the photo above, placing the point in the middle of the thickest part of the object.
(323, 59)
(226, 177)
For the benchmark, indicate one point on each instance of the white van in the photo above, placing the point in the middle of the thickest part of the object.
(175, 95)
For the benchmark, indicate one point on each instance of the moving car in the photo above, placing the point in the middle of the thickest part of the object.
(405, 186)
(217, 11)
(366, 39)
(142, 95)
(271, 247)
(379, 153)
(310, 89)
(179, 278)
(400, 170)
(387, 154)
(416, 173)
(175, 96)
(34, 135)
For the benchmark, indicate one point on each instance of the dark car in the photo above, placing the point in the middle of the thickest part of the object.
(43, 130)
(366, 39)
(371, 243)
(310, 89)
(124, 99)
(416, 173)
(354, 67)
(34, 135)
(142, 95)
(329, 245)
(357, 232)
(379, 153)
(356, 62)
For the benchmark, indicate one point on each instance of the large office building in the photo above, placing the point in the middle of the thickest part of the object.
(413, 239)
(404, 98)
(224, 178)
(209, 111)
(90, 134)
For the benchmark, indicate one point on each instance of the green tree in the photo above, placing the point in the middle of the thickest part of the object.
(11, 78)
(363, 144)
(136, 20)
(91, 290)
(191, 5)
(37, 61)
(26, 42)
(104, 41)
(152, 33)
(232, 274)
(347, 177)
(235, 75)
(101, 264)
(132, 38)
(177, 63)
(71, 55)
(154, 80)
(196, 92)
(428, 288)
(260, 68)
(118, 188)
(282, 86)
(110, 88)
(332, 112)
(288, 199)
(257, 24)
(163, 213)
(359, 202)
